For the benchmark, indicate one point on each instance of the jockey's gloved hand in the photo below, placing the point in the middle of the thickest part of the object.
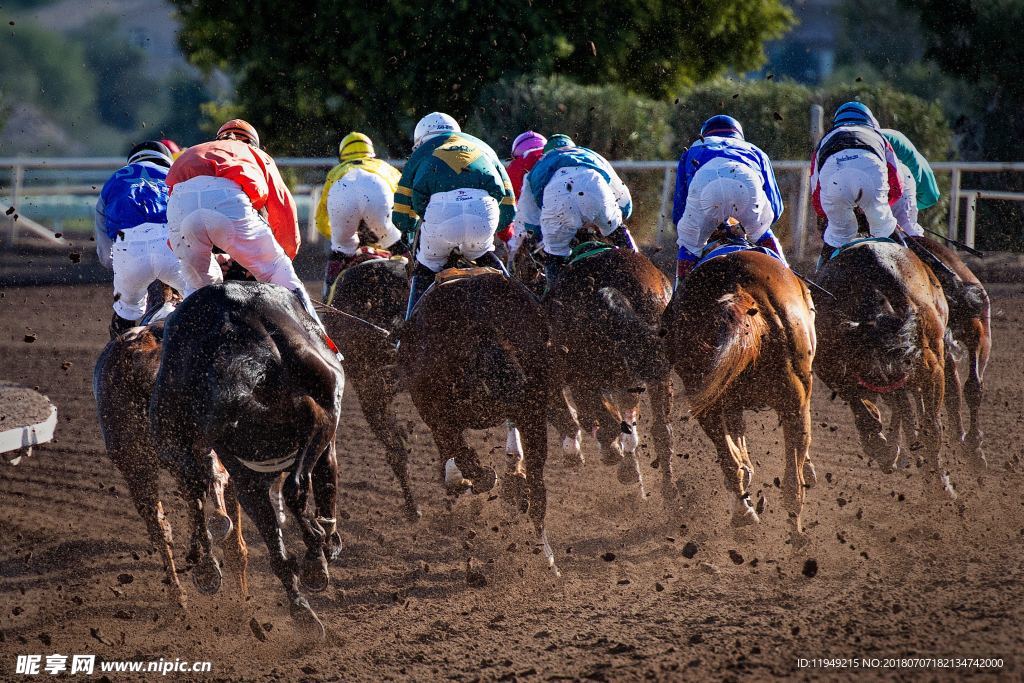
(400, 248)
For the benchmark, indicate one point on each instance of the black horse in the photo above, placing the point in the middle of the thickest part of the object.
(246, 372)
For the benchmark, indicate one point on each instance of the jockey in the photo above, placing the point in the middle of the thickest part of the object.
(570, 188)
(920, 189)
(527, 149)
(854, 166)
(131, 232)
(723, 176)
(227, 193)
(456, 186)
(361, 189)
(172, 146)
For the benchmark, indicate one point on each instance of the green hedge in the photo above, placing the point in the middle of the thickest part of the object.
(608, 119)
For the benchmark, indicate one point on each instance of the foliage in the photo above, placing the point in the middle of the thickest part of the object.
(377, 67)
(608, 119)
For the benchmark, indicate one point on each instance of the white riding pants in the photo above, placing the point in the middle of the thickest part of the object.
(575, 197)
(848, 180)
(360, 196)
(141, 255)
(463, 220)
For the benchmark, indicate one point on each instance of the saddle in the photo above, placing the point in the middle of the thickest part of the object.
(861, 240)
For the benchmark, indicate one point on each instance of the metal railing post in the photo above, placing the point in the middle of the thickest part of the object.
(312, 235)
(971, 220)
(663, 211)
(19, 179)
(954, 204)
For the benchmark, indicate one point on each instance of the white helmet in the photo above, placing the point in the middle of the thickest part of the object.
(432, 124)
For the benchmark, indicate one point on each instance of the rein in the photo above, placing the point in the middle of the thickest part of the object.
(356, 318)
(885, 388)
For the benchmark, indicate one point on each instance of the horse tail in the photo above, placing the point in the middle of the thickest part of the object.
(498, 372)
(891, 339)
(640, 346)
(741, 329)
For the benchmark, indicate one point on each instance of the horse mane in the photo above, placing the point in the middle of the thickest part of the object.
(741, 329)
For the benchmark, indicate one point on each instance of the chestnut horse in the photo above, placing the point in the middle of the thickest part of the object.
(123, 381)
(605, 313)
(970, 327)
(740, 334)
(246, 372)
(375, 291)
(883, 335)
(474, 355)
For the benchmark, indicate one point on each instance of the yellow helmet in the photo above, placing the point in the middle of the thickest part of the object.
(355, 146)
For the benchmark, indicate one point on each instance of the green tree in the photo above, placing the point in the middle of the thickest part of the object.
(378, 66)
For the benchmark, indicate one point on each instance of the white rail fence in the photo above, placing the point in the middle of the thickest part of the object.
(63, 170)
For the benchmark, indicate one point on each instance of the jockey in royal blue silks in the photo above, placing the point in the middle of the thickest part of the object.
(131, 231)
(723, 176)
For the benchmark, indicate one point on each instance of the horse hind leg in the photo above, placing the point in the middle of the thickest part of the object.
(325, 495)
(254, 498)
(733, 458)
(661, 429)
(933, 383)
(219, 522)
(628, 403)
(513, 483)
(979, 346)
(461, 468)
(236, 551)
(142, 479)
(535, 440)
(796, 427)
(954, 396)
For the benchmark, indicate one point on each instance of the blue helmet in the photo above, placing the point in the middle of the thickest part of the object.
(722, 125)
(854, 113)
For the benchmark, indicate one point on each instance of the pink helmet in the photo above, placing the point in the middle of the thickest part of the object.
(527, 142)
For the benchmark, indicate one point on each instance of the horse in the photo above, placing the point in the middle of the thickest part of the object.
(123, 380)
(970, 327)
(883, 333)
(246, 372)
(605, 312)
(474, 354)
(740, 334)
(376, 292)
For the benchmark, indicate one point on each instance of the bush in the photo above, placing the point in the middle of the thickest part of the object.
(608, 119)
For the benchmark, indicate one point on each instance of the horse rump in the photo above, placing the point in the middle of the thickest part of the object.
(741, 328)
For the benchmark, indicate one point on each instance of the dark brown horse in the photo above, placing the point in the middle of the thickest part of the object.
(605, 313)
(375, 291)
(123, 380)
(246, 372)
(740, 333)
(883, 335)
(475, 355)
(970, 327)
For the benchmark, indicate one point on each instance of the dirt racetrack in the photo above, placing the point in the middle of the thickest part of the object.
(900, 573)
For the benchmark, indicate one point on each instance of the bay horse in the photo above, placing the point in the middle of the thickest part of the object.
(884, 335)
(970, 326)
(246, 372)
(475, 355)
(605, 313)
(740, 334)
(123, 380)
(375, 291)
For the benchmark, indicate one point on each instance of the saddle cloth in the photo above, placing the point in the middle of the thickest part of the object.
(449, 275)
(586, 250)
(862, 240)
(731, 246)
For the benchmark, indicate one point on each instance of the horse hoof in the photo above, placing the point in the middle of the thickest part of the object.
(810, 475)
(315, 577)
(629, 471)
(453, 479)
(971, 448)
(745, 515)
(207, 576)
(574, 461)
(611, 454)
(485, 481)
(334, 547)
(219, 526)
(307, 620)
(412, 513)
(947, 487)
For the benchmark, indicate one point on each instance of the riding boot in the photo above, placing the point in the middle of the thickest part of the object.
(552, 268)
(491, 260)
(336, 263)
(119, 326)
(826, 255)
(622, 238)
(422, 278)
(770, 241)
(683, 268)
